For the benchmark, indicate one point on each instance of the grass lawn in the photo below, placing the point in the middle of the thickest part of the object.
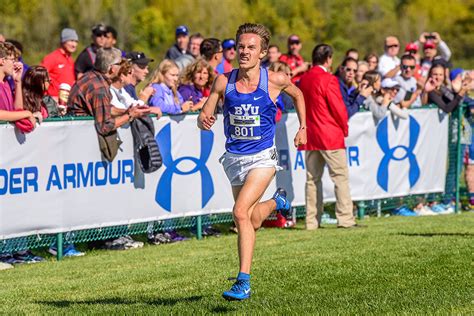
(393, 266)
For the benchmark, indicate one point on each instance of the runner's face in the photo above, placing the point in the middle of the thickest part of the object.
(250, 50)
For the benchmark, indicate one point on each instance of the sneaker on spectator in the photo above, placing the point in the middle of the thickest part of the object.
(5, 266)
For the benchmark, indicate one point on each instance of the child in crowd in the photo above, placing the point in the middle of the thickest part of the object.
(165, 83)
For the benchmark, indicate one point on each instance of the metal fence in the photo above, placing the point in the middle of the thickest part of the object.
(374, 207)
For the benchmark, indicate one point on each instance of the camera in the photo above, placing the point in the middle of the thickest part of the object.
(430, 36)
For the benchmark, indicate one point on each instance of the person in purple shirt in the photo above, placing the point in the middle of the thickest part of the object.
(165, 83)
(196, 83)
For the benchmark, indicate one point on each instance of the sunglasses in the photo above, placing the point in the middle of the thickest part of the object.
(405, 67)
(347, 69)
(392, 46)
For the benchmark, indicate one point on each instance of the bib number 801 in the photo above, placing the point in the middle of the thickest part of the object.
(242, 131)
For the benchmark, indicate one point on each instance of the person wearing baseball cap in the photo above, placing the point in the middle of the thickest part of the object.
(229, 54)
(434, 48)
(181, 45)
(140, 70)
(86, 59)
(60, 64)
(293, 58)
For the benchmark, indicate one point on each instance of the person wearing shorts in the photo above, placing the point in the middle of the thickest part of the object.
(250, 160)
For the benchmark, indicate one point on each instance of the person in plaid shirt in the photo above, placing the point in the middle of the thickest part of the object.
(90, 95)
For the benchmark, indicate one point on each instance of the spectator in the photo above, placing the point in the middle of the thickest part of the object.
(436, 89)
(412, 49)
(139, 72)
(193, 52)
(353, 53)
(273, 55)
(12, 116)
(111, 37)
(229, 54)
(121, 100)
(18, 46)
(211, 51)
(409, 94)
(60, 64)
(283, 102)
(86, 59)
(294, 59)
(2, 38)
(181, 44)
(389, 62)
(196, 82)
(362, 68)
(10, 66)
(35, 84)
(431, 43)
(353, 98)
(326, 118)
(381, 99)
(373, 61)
(164, 81)
(91, 96)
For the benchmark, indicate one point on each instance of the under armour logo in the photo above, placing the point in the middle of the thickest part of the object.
(163, 190)
(382, 139)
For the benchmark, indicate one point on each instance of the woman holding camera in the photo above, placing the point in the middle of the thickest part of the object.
(382, 96)
(437, 89)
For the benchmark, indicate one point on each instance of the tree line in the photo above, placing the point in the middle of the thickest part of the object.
(148, 25)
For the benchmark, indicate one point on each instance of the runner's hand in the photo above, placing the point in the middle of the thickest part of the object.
(205, 122)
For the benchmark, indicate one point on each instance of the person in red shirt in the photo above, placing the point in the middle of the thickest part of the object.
(294, 59)
(60, 64)
(327, 125)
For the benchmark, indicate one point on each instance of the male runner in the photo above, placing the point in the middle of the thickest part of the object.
(250, 160)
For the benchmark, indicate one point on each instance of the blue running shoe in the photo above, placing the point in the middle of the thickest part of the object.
(283, 205)
(239, 291)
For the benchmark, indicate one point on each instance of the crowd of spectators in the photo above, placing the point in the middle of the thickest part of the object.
(103, 80)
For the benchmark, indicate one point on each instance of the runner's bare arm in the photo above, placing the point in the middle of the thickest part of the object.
(206, 117)
(281, 82)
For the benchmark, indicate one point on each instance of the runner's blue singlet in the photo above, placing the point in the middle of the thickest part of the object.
(249, 118)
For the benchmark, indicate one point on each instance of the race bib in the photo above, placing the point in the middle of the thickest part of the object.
(245, 127)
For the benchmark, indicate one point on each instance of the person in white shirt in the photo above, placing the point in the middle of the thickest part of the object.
(389, 61)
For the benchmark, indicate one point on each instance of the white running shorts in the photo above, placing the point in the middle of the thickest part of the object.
(237, 166)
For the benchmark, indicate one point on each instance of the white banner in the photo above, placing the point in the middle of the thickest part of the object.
(53, 180)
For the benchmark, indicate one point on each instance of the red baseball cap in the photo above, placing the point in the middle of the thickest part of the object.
(429, 44)
(411, 47)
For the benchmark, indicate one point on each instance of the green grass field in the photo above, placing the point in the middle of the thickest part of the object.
(393, 266)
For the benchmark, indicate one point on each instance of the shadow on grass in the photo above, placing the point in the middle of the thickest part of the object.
(122, 301)
(437, 234)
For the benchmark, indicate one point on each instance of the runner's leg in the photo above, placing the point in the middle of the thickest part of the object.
(246, 198)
